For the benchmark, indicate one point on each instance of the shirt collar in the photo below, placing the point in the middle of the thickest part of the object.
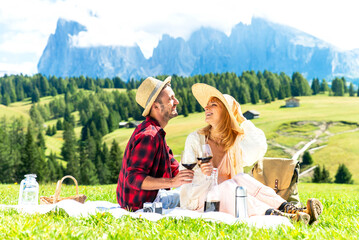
(154, 122)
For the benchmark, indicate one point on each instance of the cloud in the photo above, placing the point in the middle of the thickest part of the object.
(17, 68)
(142, 22)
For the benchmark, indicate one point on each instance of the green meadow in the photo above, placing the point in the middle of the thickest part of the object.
(339, 219)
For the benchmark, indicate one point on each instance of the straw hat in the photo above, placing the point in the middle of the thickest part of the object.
(203, 93)
(148, 92)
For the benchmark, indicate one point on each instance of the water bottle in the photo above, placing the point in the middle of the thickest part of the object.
(212, 201)
(241, 203)
(29, 190)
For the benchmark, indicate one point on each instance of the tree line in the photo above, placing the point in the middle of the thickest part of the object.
(98, 112)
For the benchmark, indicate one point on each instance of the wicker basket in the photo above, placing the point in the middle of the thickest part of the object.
(56, 197)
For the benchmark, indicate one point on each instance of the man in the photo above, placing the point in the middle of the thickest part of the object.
(148, 164)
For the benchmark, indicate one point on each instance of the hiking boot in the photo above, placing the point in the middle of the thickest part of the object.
(296, 217)
(314, 209)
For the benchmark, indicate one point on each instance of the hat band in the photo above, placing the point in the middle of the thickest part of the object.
(158, 85)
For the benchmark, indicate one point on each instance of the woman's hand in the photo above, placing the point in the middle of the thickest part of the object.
(207, 168)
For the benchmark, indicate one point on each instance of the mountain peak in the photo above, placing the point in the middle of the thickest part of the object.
(257, 46)
(70, 27)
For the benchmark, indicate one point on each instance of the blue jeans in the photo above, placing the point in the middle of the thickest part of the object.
(169, 198)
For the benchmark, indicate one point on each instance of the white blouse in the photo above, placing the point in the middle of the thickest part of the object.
(247, 149)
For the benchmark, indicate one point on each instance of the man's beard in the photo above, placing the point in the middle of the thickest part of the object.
(168, 115)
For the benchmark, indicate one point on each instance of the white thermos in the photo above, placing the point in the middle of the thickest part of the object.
(241, 209)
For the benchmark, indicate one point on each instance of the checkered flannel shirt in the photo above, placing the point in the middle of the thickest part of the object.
(146, 154)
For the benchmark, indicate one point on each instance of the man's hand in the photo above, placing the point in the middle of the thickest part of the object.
(207, 168)
(183, 177)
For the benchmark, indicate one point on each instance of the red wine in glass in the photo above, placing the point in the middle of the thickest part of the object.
(204, 159)
(189, 166)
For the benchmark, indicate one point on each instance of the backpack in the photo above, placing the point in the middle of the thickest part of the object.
(280, 174)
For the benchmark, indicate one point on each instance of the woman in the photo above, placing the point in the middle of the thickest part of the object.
(235, 143)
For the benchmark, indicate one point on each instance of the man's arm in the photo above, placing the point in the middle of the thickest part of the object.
(183, 177)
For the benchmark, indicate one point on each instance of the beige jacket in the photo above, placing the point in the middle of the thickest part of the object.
(247, 149)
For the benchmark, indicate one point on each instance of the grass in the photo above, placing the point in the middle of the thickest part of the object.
(115, 89)
(338, 221)
(289, 141)
(342, 148)
(341, 127)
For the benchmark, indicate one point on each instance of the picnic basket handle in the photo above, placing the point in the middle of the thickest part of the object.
(58, 187)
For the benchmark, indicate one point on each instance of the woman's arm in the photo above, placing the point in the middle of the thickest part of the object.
(192, 193)
(253, 145)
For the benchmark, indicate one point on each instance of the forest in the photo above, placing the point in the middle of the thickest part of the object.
(101, 106)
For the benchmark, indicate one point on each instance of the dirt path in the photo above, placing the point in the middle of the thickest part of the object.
(321, 135)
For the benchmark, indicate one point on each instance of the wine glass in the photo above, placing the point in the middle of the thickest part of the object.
(205, 155)
(188, 162)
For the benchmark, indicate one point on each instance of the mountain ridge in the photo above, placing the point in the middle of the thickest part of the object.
(261, 45)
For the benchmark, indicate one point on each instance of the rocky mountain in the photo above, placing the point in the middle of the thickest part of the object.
(258, 46)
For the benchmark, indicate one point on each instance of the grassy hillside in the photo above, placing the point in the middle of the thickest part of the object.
(340, 148)
(274, 121)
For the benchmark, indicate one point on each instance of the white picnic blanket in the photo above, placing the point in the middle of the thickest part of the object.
(76, 209)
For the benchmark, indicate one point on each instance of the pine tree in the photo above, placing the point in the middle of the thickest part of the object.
(307, 159)
(41, 141)
(105, 156)
(100, 170)
(343, 175)
(13, 94)
(35, 97)
(68, 151)
(113, 120)
(281, 93)
(324, 86)
(103, 126)
(338, 87)
(59, 125)
(265, 95)
(325, 176)
(321, 175)
(254, 95)
(40, 163)
(244, 96)
(16, 138)
(67, 115)
(48, 131)
(344, 85)
(29, 154)
(5, 99)
(53, 168)
(88, 169)
(317, 176)
(6, 162)
(53, 130)
(351, 90)
(115, 161)
(315, 86)
(185, 110)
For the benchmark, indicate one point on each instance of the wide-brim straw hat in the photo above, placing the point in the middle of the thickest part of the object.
(203, 93)
(148, 92)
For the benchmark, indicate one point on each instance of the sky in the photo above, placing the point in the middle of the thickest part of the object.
(25, 25)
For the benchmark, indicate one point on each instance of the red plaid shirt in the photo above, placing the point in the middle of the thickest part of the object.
(146, 154)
